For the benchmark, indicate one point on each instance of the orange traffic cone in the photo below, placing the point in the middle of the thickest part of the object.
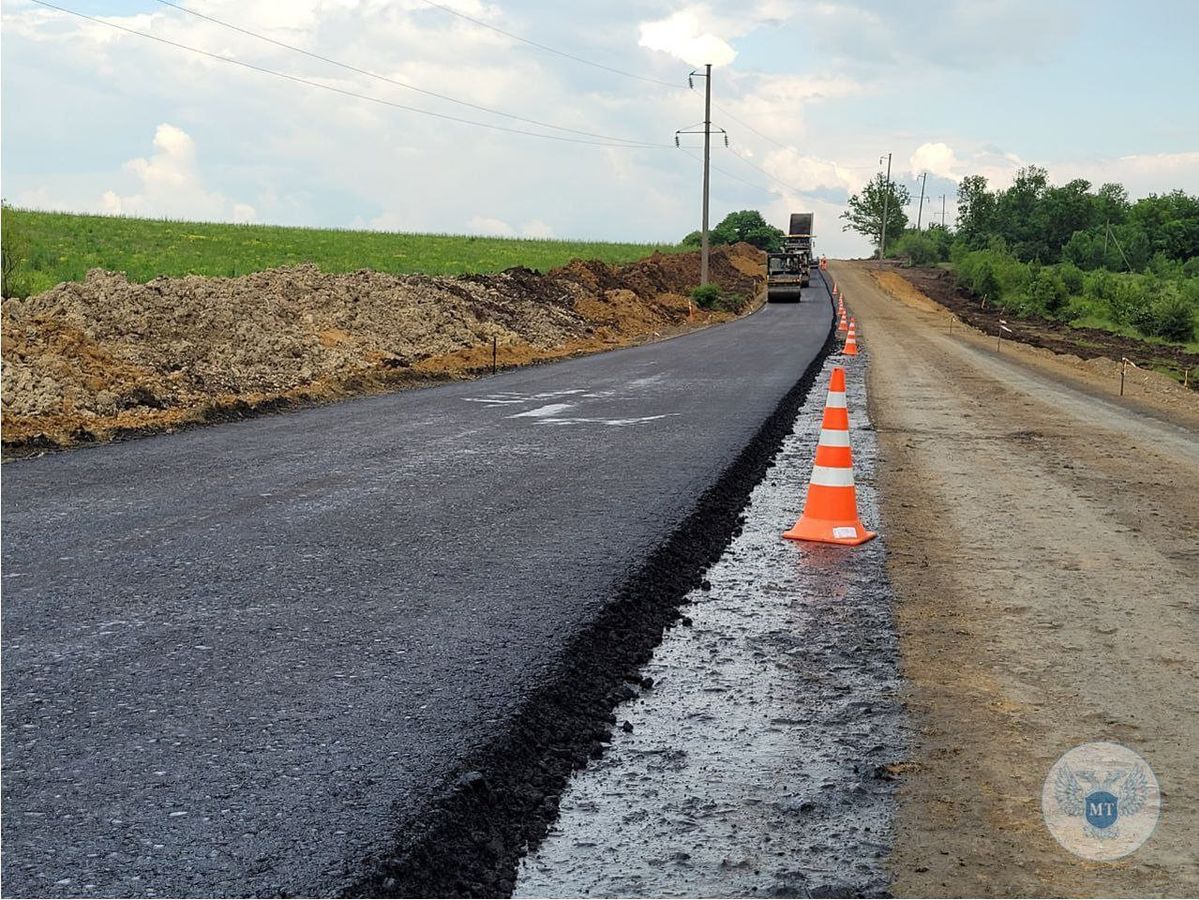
(830, 513)
(851, 340)
(844, 324)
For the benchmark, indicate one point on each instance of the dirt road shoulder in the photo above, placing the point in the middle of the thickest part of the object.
(1042, 539)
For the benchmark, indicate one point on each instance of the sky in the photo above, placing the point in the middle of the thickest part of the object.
(812, 96)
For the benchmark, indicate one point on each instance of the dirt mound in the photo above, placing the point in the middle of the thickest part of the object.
(94, 359)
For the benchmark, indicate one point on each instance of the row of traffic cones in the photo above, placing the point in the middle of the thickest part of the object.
(846, 325)
(830, 513)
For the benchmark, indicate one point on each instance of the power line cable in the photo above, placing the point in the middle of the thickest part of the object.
(347, 93)
(754, 165)
(727, 174)
(395, 81)
(549, 49)
(745, 124)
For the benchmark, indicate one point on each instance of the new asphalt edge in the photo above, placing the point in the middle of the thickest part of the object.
(493, 808)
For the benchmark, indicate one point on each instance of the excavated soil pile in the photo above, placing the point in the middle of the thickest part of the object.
(104, 357)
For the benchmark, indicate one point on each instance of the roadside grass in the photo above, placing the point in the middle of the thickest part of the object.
(56, 247)
(1101, 322)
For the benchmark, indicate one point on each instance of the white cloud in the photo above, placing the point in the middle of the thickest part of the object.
(491, 226)
(170, 185)
(1141, 174)
(682, 36)
(811, 173)
(536, 229)
(936, 159)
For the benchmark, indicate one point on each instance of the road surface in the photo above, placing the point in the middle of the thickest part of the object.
(241, 659)
(1042, 543)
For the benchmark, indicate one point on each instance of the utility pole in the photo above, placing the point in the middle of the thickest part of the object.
(942, 211)
(707, 130)
(882, 244)
(920, 208)
(703, 257)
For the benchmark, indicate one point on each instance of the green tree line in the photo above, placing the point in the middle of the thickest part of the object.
(1070, 252)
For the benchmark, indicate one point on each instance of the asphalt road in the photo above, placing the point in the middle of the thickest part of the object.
(236, 659)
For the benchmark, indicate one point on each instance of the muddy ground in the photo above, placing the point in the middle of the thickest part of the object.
(1042, 541)
(759, 754)
(1087, 343)
(105, 357)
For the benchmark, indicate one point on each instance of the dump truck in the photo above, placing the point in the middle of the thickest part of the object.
(788, 271)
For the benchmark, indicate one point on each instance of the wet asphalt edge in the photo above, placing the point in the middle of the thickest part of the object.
(470, 838)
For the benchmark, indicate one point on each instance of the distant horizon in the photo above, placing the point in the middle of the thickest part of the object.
(429, 120)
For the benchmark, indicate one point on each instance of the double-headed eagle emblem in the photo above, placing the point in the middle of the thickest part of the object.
(1101, 801)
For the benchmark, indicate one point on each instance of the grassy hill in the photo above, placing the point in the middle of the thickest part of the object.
(45, 248)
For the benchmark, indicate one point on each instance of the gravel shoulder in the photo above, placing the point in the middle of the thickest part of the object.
(1042, 547)
(758, 756)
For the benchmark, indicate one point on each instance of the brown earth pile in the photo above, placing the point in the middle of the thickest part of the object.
(104, 357)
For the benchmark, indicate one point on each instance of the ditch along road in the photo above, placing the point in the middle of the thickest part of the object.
(359, 648)
(1043, 542)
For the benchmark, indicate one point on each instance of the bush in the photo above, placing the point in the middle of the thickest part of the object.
(920, 247)
(14, 250)
(1129, 302)
(710, 296)
(707, 296)
(1171, 317)
(985, 283)
(1072, 278)
(1048, 292)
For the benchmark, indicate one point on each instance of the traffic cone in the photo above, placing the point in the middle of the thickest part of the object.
(851, 340)
(830, 513)
(844, 325)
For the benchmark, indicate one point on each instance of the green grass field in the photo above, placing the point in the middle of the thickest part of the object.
(46, 248)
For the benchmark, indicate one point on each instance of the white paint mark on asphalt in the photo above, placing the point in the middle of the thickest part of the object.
(580, 420)
(504, 397)
(540, 412)
(646, 382)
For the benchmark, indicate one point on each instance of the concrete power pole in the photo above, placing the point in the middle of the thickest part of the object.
(920, 208)
(882, 244)
(703, 265)
(707, 130)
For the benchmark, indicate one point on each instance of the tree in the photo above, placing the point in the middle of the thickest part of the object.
(976, 211)
(865, 213)
(748, 226)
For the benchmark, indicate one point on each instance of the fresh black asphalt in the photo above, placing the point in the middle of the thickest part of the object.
(239, 659)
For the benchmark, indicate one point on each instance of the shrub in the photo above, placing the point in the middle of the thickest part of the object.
(1129, 302)
(1171, 317)
(14, 250)
(985, 282)
(707, 296)
(1048, 292)
(1072, 278)
(920, 247)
